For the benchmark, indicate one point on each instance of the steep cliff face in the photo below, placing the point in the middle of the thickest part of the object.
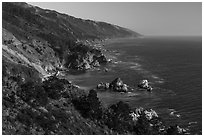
(35, 54)
(45, 38)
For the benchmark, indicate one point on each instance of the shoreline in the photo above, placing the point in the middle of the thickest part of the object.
(91, 95)
(110, 52)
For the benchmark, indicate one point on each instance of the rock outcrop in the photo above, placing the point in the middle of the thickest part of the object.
(34, 34)
(103, 86)
(149, 114)
(144, 84)
(84, 57)
(116, 85)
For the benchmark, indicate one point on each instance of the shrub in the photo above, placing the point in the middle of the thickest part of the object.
(117, 118)
(53, 87)
(33, 94)
(89, 106)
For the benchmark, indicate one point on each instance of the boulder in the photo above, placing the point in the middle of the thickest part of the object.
(118, 85)
(139, 112)
(149, 88)
(144, 84)
(125, 88)
(103, 86)
(107, 85)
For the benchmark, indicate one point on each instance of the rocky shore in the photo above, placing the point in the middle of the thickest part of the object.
(37, 100)
(85, 57)
(55, 106)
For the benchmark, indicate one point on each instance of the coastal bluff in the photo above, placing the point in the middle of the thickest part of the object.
(38, 44)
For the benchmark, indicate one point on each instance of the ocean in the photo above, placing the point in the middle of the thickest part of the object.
(172, 65)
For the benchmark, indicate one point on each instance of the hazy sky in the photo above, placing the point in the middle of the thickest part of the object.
(168, 18)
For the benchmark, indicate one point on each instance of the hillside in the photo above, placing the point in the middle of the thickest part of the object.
(48, 38)
(37, 44)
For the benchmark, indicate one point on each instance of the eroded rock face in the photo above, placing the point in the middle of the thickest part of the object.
(47, 43)
(83, 57)
(34, 53)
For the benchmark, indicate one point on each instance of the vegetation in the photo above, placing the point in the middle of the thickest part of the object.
(59, 30)
(117, 117)
(45, 108)
(55, 106)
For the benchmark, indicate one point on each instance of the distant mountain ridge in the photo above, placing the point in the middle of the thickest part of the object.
(75, 28)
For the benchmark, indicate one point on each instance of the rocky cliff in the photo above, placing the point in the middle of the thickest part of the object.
(48, 40)
(36, 43)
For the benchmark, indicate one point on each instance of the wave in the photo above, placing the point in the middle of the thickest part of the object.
(147, 74)
(136, 66)
(133, 65)
(173, 112)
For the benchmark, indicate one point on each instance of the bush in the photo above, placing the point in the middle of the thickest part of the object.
(33, 94)
(53, 87)
(142, 126)
(117, 118)
(89, 106)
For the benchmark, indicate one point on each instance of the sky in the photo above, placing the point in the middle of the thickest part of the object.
(147, 18)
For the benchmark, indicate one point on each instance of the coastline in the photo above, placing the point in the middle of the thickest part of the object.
(159, 82)
(57, 90)
(64, 75)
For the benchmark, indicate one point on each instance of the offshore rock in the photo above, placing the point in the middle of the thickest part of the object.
(144, 84)
(116, 85)
(103, 86)
(149, 114)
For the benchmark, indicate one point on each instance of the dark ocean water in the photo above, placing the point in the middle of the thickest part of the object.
(173, 65)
